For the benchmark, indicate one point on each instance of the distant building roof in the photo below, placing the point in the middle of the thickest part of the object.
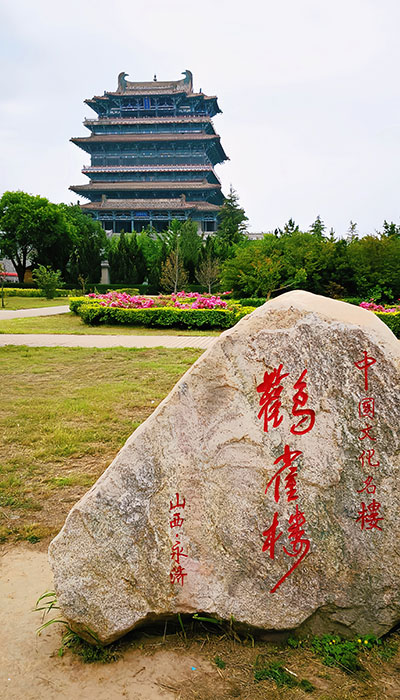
(147, 204)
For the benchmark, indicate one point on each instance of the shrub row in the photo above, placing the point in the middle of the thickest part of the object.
(391, 320)
(252, 301)
(161, 317)
(20, 292)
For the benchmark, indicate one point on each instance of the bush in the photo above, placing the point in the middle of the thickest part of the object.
(353, 300)
(252, 301)
(27, 292)
(392, 320)
(48, 280)
(138, 289)
(76, 302)
(157, 317)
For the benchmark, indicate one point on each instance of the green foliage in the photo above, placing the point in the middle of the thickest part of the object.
(76, 302)
(47, 280)
(318, 227)
(126, 259)
(88, 241)
(391, 320)
(190, 246)
(343, 653)
(231, 223)
(93, 314)
(364, 267)
(282, 677)
(21, 292)
(30, 227)
(220, 663)
(252, 301)
(89, 653)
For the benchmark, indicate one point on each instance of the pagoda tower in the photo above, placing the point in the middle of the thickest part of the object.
(152, 150)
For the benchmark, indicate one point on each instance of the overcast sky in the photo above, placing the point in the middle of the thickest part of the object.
(309, 90)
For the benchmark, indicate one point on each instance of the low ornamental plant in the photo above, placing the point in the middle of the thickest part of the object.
(388, 314)
(180, 300)
(371, 306)
(122, 300)
(160, 315)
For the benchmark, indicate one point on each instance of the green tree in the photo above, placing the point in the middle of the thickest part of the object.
(154, 253)
(252, 271)
(318, 227)
(231, 221)
(89, 242)
(391, 230)
(30, 226)
(47, 280)
(375, 265)
(127, 265)
(190, 245)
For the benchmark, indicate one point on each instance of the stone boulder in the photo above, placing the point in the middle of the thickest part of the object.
(264, 487)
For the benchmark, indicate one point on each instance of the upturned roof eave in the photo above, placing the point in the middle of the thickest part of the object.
(148, 204)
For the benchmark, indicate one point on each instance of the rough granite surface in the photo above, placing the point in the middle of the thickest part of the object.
(115, 561)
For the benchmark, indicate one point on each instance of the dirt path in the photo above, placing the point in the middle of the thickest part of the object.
(29, 670)
(154, 669)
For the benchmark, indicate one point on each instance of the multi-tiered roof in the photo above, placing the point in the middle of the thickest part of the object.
(153, 149)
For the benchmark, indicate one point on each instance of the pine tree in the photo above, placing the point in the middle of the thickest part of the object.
(317, 228)
(231, 220)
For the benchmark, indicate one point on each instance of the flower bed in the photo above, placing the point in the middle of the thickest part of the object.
(388, 314)
(183, 310)
(180, 300)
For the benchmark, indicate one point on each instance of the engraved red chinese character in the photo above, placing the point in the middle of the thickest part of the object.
(177, 505)
(365, 433)
(367, 455)
(271, 537)
(287, 458)
(366, 408)
(300, 544)
(177, 552)
(369, 486)
(177, 575)
(270, 390)
(300, 399)
(364, 365)
(369, 516)
(176, 520)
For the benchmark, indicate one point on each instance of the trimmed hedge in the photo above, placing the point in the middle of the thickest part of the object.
(20, 292)
(157, 317)
(391, 320)
(252, 301)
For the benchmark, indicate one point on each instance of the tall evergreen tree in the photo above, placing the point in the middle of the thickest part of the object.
(231, 220)
(318, 227)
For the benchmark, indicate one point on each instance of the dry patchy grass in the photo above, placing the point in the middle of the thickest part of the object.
(64, 414)
(73, 324)
(234, 660)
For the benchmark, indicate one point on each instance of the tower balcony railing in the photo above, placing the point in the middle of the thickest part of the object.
(156, 161)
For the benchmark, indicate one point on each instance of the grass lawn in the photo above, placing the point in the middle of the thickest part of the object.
(64, 415)
(73, 324)
(17, 303)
